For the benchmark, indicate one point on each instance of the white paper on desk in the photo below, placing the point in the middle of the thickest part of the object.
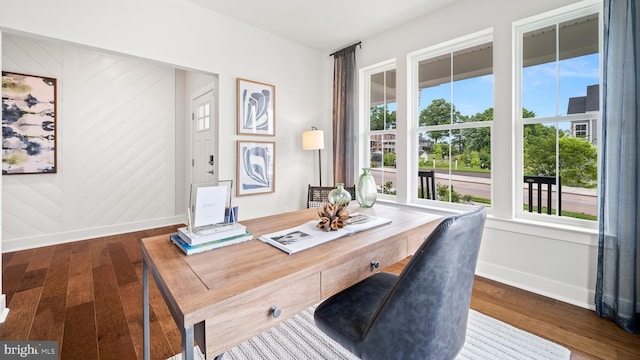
(359, 222)
(308, 235)
(210, 205)
(301, 237)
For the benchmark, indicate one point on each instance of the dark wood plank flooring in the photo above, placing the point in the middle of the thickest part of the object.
(87, 296)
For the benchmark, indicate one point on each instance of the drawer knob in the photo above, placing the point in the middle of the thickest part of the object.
(374, 265)
(275, 311)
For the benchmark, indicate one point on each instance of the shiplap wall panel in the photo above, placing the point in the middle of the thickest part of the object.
(32, 204)
(116, 164)
(38, 57)
(123, 126)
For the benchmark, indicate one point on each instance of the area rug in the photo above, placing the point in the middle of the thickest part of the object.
(298, 338)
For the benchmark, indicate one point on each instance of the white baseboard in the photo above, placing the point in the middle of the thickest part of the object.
(4, 311)
(568, 293)
(9, 245)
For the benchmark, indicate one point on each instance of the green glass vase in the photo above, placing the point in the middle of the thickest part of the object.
(366, 190)
(339, 194)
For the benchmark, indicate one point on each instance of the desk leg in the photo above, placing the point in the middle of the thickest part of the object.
(187, 333)
(145, 310)
(187, 343)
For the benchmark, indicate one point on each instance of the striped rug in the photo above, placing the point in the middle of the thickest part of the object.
(298, 338)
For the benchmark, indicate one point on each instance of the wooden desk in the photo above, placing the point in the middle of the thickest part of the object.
(223, 297)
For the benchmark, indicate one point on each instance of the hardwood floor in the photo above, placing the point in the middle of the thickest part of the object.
(87, 296)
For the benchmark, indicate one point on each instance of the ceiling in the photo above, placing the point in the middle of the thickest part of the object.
(326, 25)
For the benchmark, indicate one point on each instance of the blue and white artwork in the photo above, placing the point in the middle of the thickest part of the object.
(256, 108)
(256, 164)
(28, 124)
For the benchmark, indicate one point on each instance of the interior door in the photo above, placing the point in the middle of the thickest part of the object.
(204, 162)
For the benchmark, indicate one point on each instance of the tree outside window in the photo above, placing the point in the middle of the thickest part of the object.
(454, 120)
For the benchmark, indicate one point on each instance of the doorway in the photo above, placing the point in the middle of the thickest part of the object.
(203, 118)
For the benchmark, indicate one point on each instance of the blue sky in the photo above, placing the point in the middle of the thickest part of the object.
(475, 95)
(471, 96)
(539, 87)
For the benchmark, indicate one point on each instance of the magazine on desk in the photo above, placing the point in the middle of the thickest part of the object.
(307, 235)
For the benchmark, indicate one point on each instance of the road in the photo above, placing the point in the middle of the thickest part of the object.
(479, 185)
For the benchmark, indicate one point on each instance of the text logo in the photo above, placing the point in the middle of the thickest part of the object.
(31, 350)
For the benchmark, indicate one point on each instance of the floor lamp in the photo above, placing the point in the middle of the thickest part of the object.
(314, 140)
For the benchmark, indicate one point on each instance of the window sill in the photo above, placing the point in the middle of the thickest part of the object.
(555, 231)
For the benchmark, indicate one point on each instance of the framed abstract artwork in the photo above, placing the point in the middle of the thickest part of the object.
(256, 167)
(256, 111)
(28, 124)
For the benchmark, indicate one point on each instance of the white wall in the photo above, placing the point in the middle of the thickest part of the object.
(559, 263)
(115, 147)
(184, 36)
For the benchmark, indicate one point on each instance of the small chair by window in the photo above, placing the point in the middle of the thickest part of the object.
(317, 195)
(428, 183)
(546, 180)
(421, 313)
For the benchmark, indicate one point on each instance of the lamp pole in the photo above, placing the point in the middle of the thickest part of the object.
(320, 165)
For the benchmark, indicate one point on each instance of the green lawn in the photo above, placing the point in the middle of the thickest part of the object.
(567, 214)
(444, 165)
(570, 214)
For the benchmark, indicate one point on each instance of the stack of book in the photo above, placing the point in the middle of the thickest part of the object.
(201, 240)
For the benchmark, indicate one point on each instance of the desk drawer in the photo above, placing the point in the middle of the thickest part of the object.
(248, 314)
(351, 271)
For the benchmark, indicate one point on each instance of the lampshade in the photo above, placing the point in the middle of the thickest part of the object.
(313, 139)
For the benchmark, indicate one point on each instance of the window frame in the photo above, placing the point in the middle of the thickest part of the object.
(413, 60)
(583, 131)
(202, 122)
(365, 132)
(519, 28)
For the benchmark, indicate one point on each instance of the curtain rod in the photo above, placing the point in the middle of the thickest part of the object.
(356, 44)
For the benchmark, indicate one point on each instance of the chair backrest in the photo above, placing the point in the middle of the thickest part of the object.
(424, 316)
(549, 181)
(352, 191)
(427, 184)
(317, 195)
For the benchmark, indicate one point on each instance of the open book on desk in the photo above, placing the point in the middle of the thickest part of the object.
(307, 235)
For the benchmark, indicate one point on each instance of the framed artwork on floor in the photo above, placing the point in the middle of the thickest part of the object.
(255, 167)
(256, 108)
(28, 124)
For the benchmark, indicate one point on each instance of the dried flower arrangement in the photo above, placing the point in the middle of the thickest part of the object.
(332, 216)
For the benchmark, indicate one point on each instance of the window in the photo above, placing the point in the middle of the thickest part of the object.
(203, 117)
(580, 131)
(453, 85)
(380, 126)
(558, 82)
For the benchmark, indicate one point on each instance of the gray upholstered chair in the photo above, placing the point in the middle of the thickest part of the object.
(419, 314)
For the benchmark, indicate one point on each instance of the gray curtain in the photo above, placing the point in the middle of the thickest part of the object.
(345, 104)
(618, 280)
